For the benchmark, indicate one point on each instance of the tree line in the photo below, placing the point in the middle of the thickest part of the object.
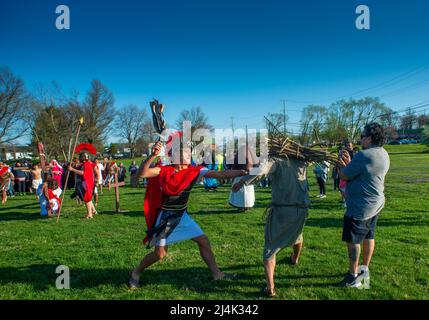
(344, 119)
(50, 116)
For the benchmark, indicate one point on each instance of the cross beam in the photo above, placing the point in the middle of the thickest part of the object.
(116, 185)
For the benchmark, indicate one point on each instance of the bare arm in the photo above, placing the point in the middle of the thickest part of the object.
(145, 171)
(97, 173)
(225, 174)
(79, 172)
(256, 175)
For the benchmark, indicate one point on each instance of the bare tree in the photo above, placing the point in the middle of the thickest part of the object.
(13, 106)
(408, 120)
(99, 113)
(131, 124)
(312, 123)
(52, 119)
(143, 142)
(350, 116)
(196, 116)
(275, 122)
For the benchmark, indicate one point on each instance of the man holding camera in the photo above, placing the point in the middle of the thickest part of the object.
(365, 199)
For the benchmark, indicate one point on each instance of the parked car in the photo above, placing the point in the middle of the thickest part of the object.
(118, 156)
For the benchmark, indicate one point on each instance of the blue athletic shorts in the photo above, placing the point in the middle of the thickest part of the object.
(355, 231)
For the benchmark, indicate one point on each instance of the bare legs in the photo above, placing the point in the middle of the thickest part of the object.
(354, 254)
(160, 252)
(90, 209)
(3, 197)
(297, 248)
(368, 251)
(270, 266)
(208, 256)
(157, 255)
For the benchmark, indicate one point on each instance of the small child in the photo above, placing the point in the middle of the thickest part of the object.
(53, 197)
(56, 189)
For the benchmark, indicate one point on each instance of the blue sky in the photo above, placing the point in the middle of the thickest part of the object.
(233, 58)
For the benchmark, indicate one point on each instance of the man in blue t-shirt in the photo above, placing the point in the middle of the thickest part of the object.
(365, 199)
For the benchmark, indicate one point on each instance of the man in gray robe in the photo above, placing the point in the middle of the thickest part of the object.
(287, 212)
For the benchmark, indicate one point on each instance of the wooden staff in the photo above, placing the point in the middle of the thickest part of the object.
(42, 155)
(68, 171)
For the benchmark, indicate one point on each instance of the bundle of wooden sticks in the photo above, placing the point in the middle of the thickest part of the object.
(280, 145)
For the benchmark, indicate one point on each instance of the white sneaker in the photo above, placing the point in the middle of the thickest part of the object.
(364, 276)
(323, 196)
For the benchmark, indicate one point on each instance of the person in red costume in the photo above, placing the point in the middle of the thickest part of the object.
(165, 208)
(4, 181)
(86, 175)
(53, 199)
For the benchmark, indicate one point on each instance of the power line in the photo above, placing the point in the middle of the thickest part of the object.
(395, 80)
(404, 110)
(413, 86)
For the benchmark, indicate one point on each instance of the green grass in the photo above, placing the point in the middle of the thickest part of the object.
(101, 252)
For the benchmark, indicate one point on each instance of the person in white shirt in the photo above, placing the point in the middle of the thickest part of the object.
(100, 169)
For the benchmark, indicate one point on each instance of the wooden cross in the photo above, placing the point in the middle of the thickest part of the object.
(116, 185)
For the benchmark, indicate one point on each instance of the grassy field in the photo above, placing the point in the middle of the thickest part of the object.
(101, 252)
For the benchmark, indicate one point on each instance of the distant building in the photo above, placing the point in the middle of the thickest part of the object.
(12, 152)
(416, 134)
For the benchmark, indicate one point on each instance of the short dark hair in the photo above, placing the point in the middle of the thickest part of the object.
(376, 132)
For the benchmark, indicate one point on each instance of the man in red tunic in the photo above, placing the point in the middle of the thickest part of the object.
(165, 209)
(87, 173)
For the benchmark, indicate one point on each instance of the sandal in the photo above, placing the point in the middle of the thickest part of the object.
(133, 283)
(269, 293)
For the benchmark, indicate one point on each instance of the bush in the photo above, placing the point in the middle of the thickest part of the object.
(426, 135)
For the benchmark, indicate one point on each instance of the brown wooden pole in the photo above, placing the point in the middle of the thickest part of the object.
(118, 208)
(68, 171)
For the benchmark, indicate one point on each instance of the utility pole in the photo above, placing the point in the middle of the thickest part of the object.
(284, 116)
(232, 124)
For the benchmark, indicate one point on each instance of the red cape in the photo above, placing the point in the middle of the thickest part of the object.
(53, 196)
(169, 183)
(88, 177)
(3, 170)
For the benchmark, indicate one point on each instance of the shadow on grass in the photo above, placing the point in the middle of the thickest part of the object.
(382, 222)
(196, 213)
(42, 277)
(216, 211)
(124, 212)
(10, 213)
(22, 206)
